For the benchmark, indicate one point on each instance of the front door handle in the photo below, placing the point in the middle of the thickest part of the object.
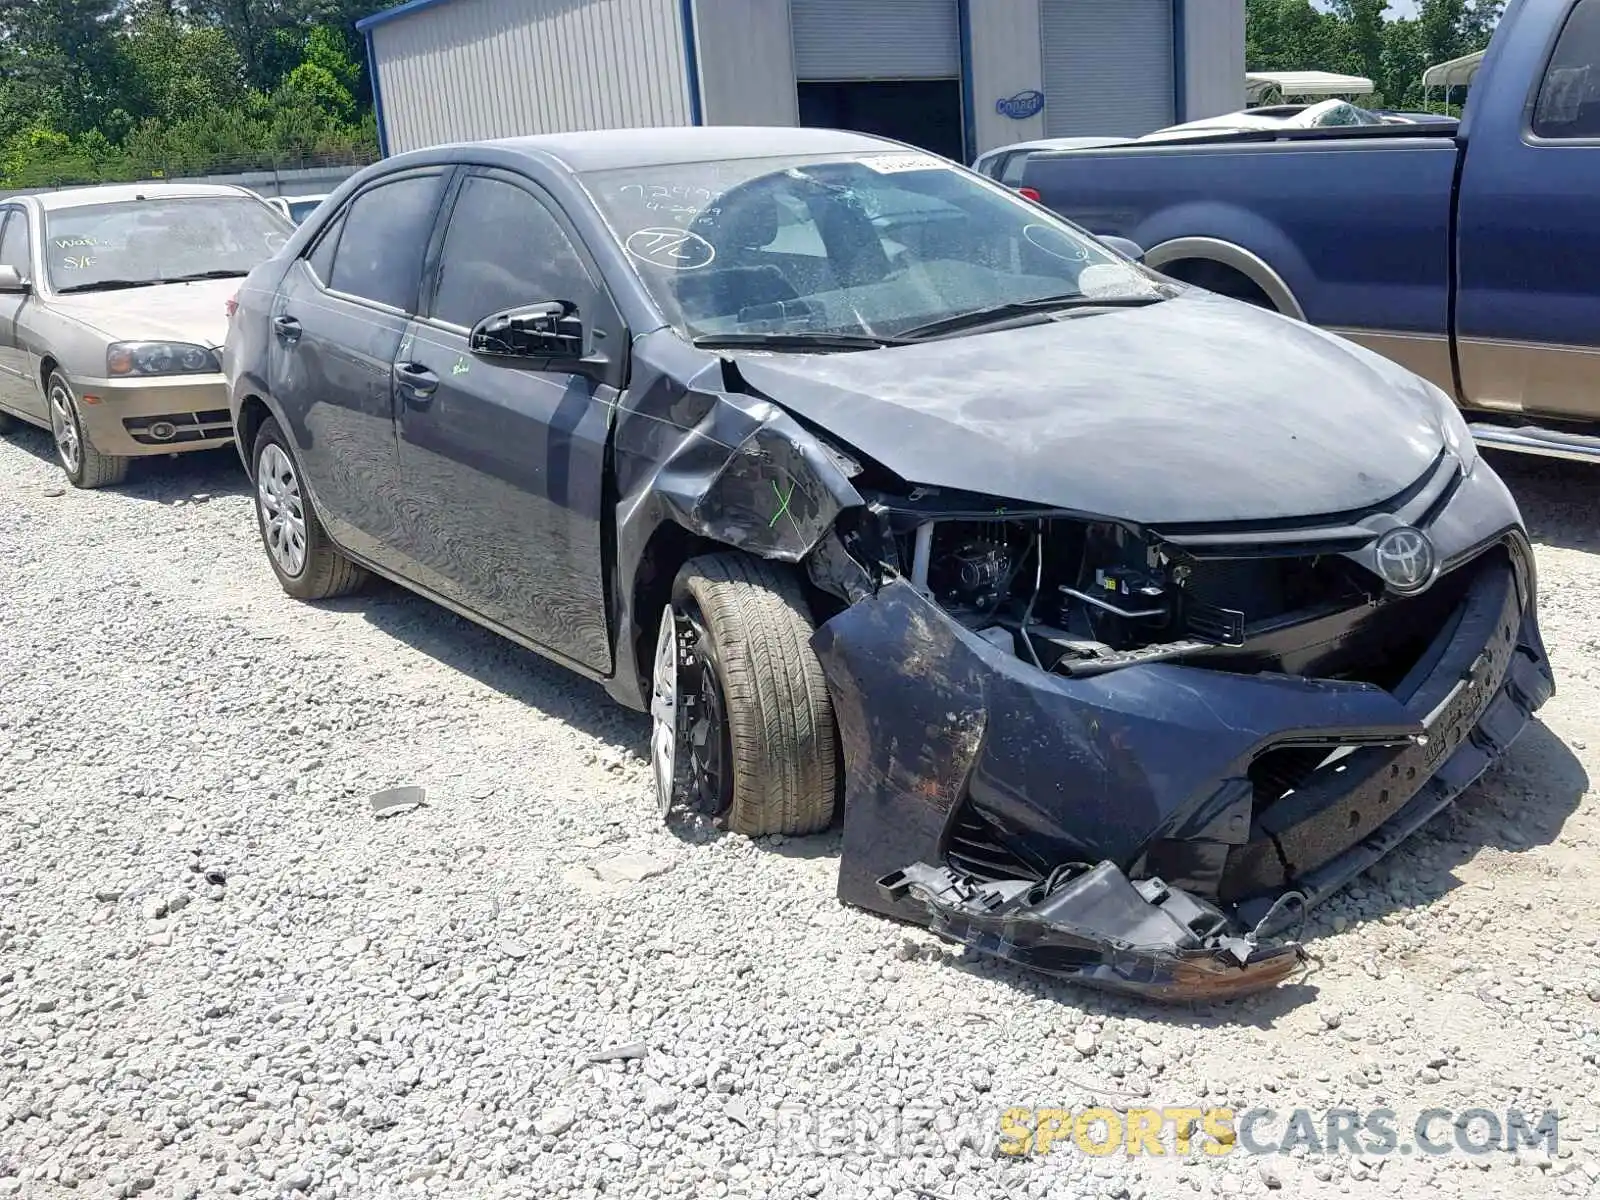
(286, 328)
(417, 382)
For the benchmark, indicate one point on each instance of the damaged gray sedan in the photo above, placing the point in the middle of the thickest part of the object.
(1121, 621)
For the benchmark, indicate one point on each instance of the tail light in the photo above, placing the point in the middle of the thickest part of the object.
(232, 306)
(1028, 193)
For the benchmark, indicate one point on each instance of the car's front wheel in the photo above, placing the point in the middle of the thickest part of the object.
(742, 726)
(308, 565)
(85, 466)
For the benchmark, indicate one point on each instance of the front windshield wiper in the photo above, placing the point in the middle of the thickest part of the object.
(223, 273)
(1021, 308)
(112, 285)
(107, 285)
(795, 341)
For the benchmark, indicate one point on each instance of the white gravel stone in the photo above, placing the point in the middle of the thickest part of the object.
(630, 868)
(407, 1008)
(555, 1121)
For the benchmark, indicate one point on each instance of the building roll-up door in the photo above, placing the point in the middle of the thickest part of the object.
(1108, 66)
(875, 39)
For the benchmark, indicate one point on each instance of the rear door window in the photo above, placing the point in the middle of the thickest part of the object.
(1569, 96)
(1011, 173)
(384, 237)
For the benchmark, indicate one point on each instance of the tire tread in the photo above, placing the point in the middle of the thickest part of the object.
(780, 719)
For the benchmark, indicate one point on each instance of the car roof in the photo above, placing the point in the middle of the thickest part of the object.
(118, 193)
(1085, 142)
(601, 149)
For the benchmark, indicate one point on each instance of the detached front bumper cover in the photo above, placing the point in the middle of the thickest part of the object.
(1146, 773)
(1100, 929)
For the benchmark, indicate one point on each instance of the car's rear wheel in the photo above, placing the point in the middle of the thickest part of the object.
(742, 726)
(85, 466)
(308, 565)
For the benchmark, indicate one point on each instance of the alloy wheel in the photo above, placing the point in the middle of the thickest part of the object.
(664, 713)
(282, 510)
(64, 425)
(689, 740)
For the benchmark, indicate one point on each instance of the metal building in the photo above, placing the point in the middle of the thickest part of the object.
(955, 76)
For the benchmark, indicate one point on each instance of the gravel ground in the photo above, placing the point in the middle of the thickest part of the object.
(220, 974)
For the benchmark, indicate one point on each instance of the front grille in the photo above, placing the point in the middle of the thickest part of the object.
(209, 425)
(1306, 814)
(1278, 772)
(976, 847)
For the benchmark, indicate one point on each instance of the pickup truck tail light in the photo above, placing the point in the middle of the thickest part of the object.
(232, 305)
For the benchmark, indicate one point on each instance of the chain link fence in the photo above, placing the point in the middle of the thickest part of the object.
(278, 175)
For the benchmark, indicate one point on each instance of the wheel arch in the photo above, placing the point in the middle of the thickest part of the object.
(668, 546)
(1246, 263)
(253, 414)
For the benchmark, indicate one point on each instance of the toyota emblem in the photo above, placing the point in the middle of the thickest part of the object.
(1406, 559)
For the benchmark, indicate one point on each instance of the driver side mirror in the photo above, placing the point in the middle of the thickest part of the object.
(551, 332)
(12, 283)
(1125, 246)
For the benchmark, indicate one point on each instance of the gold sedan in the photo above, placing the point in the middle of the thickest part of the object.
(113, 304)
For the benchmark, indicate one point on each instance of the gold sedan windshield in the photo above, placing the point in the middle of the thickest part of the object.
(135, 243)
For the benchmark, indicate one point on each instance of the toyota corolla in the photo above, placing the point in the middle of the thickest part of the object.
(1121, 621)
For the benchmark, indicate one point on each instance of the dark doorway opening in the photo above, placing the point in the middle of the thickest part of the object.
(924, 112)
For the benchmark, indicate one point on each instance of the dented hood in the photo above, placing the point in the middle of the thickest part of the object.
(1193, 409)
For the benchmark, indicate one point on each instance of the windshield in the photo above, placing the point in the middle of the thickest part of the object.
(133, 242)
(875, 245)
(299, 210)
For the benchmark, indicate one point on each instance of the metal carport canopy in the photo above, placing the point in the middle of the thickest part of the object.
(1458, 72)
(1306, 83)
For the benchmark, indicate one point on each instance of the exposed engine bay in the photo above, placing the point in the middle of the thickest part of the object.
(1080, 598)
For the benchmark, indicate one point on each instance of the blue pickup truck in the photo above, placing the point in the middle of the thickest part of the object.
(1471, 256)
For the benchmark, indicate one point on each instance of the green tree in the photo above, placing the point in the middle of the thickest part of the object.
(64, 53)
(1358, 36)
(178, 70)
(1362, 36)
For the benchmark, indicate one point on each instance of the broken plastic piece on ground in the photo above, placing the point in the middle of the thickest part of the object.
(1101, 929)
(395, 800)
(619, 1053)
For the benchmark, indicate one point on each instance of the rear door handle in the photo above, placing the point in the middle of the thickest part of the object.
(417, 382)
(287, 328)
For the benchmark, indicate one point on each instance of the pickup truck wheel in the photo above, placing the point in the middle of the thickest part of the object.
(743, 726)
(85, 466)
(308, 565)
